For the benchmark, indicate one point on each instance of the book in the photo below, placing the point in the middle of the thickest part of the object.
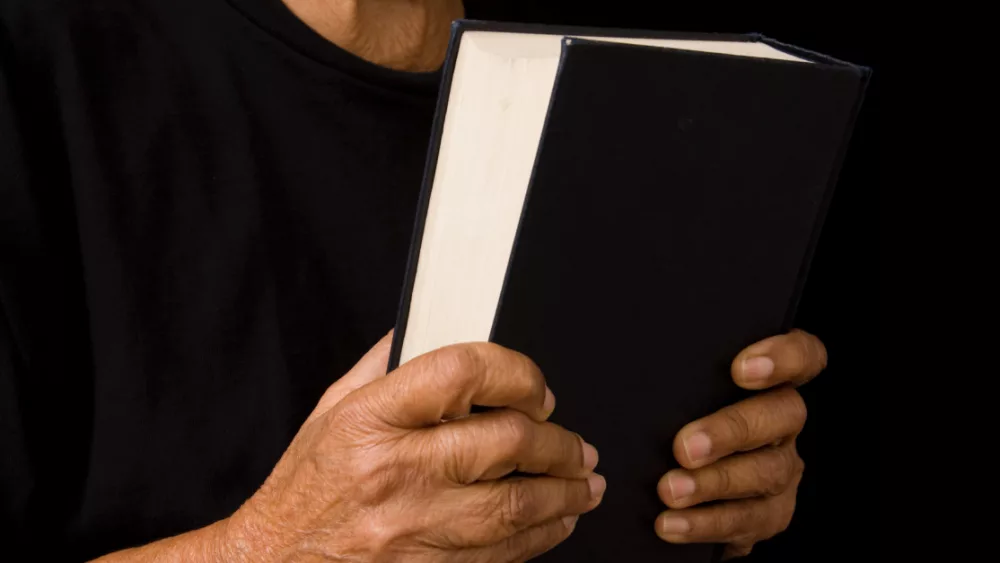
(630, 209)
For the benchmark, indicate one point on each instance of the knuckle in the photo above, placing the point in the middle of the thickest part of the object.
(722, 480)
(776, 468)
(449, 455)
(530, 375)
(748, 520)
(377, 479)
(516, 509)
(344, 413)
(456, 361)
(518, 432)
(793, 462)
(378, 535)
(788, 473)
(796, 408)
(367, 467)
(346, 416)
(731, 522)
(737, 424)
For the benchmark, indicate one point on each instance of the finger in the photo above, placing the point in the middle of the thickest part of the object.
(526, 544)
(447, 382)
(793, 358)
(764, 419)
(370, 367)
(496, 510)
(492, 444)
(740, 521)
(764, 472)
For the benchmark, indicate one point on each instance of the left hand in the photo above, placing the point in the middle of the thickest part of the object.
(745, 453)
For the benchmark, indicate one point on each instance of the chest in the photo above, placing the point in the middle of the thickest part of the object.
(227, 212)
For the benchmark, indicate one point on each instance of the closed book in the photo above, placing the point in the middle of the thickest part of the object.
(630, 210)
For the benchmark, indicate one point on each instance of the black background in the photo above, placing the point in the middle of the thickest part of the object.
(837, 511)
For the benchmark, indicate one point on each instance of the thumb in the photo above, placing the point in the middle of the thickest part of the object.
(370, 367)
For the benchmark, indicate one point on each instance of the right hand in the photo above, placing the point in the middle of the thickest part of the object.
(394, 468)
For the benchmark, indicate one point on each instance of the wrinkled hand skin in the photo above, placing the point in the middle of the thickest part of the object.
(744, 454)
(395, 468)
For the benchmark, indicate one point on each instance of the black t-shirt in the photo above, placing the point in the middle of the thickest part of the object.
(205, 211)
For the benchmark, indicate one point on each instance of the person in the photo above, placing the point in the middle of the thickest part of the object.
(205, 211)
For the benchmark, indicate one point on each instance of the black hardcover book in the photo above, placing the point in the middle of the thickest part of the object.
(630, 210)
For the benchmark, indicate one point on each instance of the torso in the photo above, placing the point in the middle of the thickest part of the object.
(243, 204)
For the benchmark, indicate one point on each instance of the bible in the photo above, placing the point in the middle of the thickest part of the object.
(630, 210)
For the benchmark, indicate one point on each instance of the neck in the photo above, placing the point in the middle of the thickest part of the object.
(410, 35)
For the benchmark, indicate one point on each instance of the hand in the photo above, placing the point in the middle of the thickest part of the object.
(745, 453)
(395, 468)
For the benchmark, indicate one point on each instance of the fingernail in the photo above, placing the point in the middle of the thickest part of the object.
(698, 446)
(681, 486)
(550, 401)
(674, 525)
(757, 369)
(589, 457)
(570, 521)
(597, 485)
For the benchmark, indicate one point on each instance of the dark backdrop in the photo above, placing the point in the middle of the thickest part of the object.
(837, 511)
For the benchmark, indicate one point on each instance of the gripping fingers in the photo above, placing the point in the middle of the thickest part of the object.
(761, 420)
(492, 444)
(448, 382)
(765, 472)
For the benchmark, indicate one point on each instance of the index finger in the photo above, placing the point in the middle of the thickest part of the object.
(795, 357)
(449, 381)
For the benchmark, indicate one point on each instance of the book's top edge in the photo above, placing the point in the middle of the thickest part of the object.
(515, 27)
(462, 25)
(812, 55)
(571, 42)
